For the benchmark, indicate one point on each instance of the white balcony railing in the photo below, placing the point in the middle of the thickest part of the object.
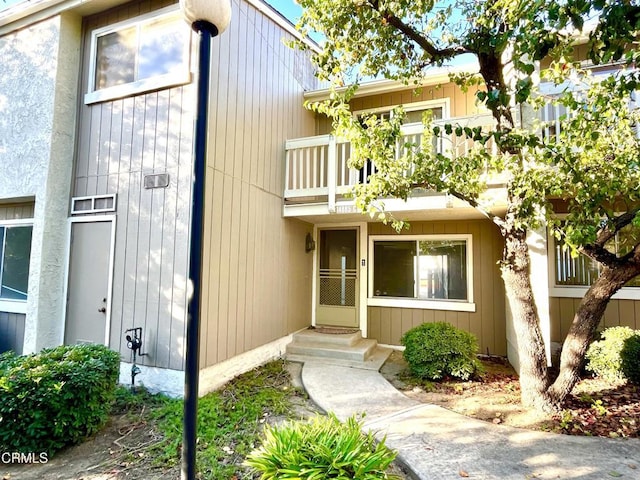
(317, 168)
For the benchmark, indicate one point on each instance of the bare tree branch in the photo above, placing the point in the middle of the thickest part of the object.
(499, 221)
(600, 254)
(416, 36)
(606, 233)
(422, 41)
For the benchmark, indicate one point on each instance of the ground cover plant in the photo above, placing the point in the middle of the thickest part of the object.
(230, 421)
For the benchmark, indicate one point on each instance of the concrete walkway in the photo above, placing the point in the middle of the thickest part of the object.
(435, 443)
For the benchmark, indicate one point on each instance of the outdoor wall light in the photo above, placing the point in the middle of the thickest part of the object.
(309, 243)
(208, 18)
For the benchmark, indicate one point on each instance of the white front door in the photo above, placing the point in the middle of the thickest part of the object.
(88, 285)
(338, 278)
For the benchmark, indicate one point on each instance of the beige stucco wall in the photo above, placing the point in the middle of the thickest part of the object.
(37, 132)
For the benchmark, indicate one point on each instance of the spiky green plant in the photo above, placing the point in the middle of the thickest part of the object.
(321, 448)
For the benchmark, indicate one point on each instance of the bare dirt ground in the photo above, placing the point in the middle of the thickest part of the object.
(595, 407)
(116, 452)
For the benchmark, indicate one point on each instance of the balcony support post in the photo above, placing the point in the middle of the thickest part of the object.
(331, 174)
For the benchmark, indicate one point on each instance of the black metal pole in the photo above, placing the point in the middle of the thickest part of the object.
(206, 31)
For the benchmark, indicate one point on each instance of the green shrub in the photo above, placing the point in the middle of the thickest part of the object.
(56, 397)
(230, 421)
(319, 449)
(630, 356)
(437, 350)
(604, 356)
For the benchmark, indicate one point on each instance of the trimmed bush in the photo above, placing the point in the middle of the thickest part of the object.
(630, 356)
(319, 449)
(604, 356)
(56, 397)
(438, 350)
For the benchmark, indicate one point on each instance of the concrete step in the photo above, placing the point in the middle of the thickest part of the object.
(374, 361)
(316, 336)
(336, 347)
(357, 352)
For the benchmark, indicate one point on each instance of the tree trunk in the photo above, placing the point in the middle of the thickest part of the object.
(534, 379)
(584, 325)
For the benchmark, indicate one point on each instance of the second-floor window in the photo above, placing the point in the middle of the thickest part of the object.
(139, 55)
(413, 113)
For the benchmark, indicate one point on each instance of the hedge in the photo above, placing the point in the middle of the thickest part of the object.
(56, 397)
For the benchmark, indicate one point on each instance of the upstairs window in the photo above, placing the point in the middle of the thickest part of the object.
(413, 113)
(139, 55)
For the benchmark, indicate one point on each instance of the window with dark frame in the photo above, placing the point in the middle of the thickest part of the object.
(422, 269)
(15, 253)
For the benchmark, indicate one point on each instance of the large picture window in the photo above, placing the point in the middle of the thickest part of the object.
(139, 55)
(15, 252)
(422, 268)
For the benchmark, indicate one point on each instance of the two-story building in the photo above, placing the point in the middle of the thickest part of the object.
(96, 137)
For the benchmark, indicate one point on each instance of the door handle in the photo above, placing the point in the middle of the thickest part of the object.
(102, 309)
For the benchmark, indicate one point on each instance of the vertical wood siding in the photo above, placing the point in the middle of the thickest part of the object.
(618, 313)
(257, 277)
(17, 211)
(119, 143)
(123, 141)
(461, 104)
(487, 323)
(11, 332)
(257, 281)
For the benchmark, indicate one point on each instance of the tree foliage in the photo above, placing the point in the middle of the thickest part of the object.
(588, 167)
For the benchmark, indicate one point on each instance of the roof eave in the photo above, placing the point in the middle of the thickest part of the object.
(377, 87)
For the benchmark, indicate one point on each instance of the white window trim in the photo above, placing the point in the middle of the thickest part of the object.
(93, 199)
(576, 291)
(138, 86)
(15, 306)
(444, 103)
(450, 305)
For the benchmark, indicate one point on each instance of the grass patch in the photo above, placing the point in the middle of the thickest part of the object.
(230, 421)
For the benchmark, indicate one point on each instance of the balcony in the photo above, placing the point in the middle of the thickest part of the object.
(318, 178)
